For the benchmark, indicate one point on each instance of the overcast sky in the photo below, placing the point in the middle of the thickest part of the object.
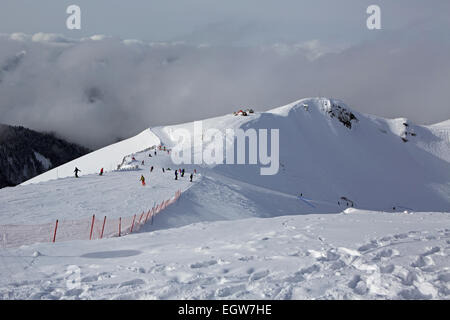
(218, 55)
(227, 22)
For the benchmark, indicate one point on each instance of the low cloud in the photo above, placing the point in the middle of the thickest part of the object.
(97, 90)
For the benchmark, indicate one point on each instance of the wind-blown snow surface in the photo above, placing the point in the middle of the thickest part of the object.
(304, 248)
(369, 255)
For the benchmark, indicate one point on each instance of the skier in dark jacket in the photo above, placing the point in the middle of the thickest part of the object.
(151, 169)
(176, 175)
(163, 170)
(182, 172)
(191, 176)
(76, 172)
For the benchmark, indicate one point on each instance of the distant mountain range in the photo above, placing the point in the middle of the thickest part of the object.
(25, 153)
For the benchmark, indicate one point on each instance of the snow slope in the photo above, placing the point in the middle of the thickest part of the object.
(108, 158)
(325, 160)
(319, 157)
(304, 247)
(362, 255)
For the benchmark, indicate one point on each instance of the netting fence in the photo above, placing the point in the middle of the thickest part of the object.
(94, 227)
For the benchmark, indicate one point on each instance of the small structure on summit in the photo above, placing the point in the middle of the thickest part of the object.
(243, 112)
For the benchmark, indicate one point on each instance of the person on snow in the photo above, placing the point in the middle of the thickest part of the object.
(101, 172)
(155, 152)
(182, 173)
(195, 170)
(150, 155)
(191, 176)
(142, 162)
(151, 169)
(163, 170)
(142, 180)
(176, 175)
(76, 172)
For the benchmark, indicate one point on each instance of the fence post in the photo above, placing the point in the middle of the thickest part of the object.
(103, 228)
(146, 217)
(92, 226)
(132, 224)
(56, 228)
(120, 224)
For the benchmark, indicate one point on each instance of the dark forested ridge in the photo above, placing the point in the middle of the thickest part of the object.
(25, 153)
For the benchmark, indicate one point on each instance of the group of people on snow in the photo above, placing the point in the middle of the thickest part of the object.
(180, 172)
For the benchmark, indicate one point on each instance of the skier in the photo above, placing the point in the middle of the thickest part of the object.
(182, 172)
(195, 171)
(150, 155)
(76, 172)
(151, 169)
(176, 175)
(142, 162)
(301, 194)
(155, 152)
(101, 171)
(163, 170)
(143, 180)
(191, 176)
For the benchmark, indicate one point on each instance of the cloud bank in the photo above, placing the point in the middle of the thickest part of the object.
(97, 90)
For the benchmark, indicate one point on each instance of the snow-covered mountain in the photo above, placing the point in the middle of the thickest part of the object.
(308, 246)
(327, 151)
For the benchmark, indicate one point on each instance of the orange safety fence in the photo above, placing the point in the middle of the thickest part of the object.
(94, 227)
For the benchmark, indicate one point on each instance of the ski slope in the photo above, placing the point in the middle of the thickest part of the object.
(237, 234)
(108, 158)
